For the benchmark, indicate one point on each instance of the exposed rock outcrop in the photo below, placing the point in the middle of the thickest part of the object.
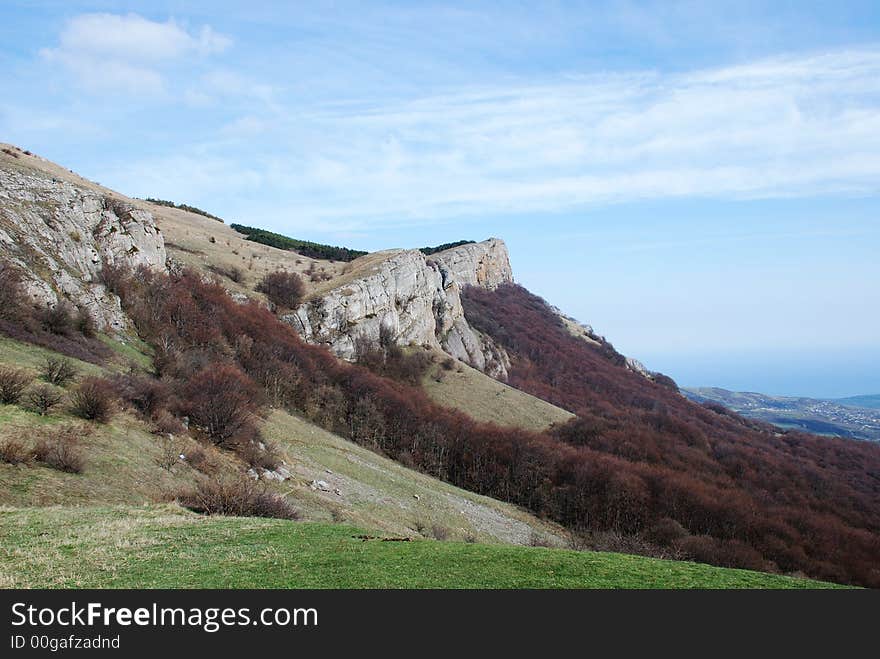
(485, 264)
(413, 300)
(60, 235)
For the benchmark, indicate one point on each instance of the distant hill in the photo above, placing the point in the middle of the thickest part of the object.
(822, 417)
(870, 401)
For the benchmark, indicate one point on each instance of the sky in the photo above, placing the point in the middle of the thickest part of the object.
(699, 181)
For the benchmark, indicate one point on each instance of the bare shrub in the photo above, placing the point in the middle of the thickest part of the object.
(94, 400)
(619, 543)
(58, 371)
(13, 382)
(537, 540)
(165, 423)
(236, 497)
(169, 452)
(116, 278)
(42, 398)
(85, 324)
(284, 289)
(260, 455)
(13, 451)
(232, 272)
(59, 448)
(58, 319)
(200, 459)
(12, 296)
(440, 532)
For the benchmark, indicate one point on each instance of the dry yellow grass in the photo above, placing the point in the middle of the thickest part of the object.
(486, 399)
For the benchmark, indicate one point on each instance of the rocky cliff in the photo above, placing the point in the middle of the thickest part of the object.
(411, 299)
(61, 234)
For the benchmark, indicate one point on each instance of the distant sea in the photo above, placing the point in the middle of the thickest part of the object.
(814, 374)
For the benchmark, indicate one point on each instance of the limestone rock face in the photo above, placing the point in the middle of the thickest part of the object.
(60, 235)
(411, 299)
(485, 264)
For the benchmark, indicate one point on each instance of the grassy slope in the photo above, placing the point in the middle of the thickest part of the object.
(379, 493)
(375, 492)
(163, 546)
(486, 399)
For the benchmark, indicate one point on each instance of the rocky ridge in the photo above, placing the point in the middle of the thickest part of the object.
(412, 299)
(60, 235)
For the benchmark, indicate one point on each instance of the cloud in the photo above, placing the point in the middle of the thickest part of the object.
(796, 126)
(110, 51)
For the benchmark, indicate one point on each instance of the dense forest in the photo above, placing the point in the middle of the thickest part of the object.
(304, 247)
(726, 489)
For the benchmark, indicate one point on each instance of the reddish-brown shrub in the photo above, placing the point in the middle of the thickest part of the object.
(149, 396)
(666, 531)
(283, 289)
(221, 401)
(85, 324)
(200, 459)
(165, 423)
(59, 319)
(236, 497)
(13, 382)
(20, 321)
(59, 448)
(94, 399)
(13, 451)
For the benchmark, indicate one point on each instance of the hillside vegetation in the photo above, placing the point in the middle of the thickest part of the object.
(441, 248)
(166, 547)
(304, 247)
(123, 465)
(183, 207)
(642, 460)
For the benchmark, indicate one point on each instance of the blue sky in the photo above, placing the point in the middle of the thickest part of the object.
(699, 181)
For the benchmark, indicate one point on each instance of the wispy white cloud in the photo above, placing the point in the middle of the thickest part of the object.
(801, 125)
(110, 51)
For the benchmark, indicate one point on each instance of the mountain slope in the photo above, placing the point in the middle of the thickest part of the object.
(822, 417)
(640, 467)
(123, 467)
(651, 463)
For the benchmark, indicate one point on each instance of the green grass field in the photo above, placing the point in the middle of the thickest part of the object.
(163, 546)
